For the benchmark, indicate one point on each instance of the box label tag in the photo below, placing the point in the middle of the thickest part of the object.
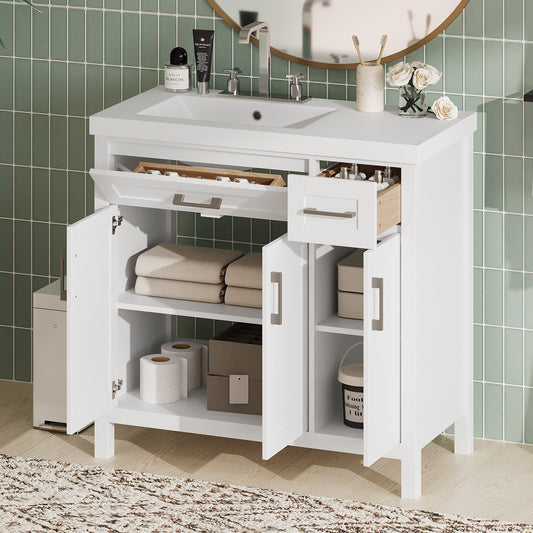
(238, 389)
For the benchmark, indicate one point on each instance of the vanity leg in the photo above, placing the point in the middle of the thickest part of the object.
(464, 425)
(412, 475)
(104, 439)
(464, 435)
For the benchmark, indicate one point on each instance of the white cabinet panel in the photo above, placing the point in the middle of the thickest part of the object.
(382, 349)
(49, 366)
(89, 311)
(284, 344)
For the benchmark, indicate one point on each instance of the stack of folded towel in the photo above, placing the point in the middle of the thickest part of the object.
(184, 272)
(244, 279)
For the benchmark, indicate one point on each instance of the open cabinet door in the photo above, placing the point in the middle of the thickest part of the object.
(284, 344)
(381, 349)
(89, 318)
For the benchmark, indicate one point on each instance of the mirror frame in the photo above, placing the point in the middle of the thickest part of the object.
(343, 66)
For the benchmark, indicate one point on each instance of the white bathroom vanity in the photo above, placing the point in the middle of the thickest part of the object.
(417, 331)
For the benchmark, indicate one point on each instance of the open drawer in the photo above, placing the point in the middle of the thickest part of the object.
(325, 210)
(208, 197)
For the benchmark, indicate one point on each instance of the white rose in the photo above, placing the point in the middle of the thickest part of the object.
(399, 74)
(421, 78)
(417, 64)
(435, 74)
(444, 109)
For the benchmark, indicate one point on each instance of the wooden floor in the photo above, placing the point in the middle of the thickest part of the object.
(496, 481)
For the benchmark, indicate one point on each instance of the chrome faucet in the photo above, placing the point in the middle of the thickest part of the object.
(264, 53)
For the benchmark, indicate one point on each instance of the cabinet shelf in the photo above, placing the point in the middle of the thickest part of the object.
(189, 415)
(167, 306)
(343, 326)
(337, 436)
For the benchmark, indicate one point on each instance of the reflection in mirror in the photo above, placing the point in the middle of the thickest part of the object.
(319, 32)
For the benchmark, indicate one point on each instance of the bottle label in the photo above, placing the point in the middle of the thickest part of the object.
(177, 79)
(353, 406)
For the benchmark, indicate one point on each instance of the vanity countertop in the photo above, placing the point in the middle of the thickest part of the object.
(339, 131)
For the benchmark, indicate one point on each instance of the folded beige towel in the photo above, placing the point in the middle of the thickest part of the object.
(180, 290)
(246, 272)
(244, 297)
(185, 263)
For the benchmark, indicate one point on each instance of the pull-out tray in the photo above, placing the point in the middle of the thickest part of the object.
(208, 197)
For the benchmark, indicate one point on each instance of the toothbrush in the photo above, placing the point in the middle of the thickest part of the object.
(383, 43)
(355, 40)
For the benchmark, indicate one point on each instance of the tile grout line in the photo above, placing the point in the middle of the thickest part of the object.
(13, 193)
(504, 247)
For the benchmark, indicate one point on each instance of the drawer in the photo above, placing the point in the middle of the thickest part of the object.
(208, 197)
(340, 212)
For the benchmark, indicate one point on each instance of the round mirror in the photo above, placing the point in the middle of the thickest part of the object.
(318, 33)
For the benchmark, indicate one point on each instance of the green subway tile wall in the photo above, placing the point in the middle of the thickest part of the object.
(79, 56)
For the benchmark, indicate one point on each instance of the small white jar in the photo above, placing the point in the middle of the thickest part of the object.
(178, 72)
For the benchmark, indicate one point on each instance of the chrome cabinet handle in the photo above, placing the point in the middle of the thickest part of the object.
(214, 203)
(316, 212)
(62, 263)
(276, 318)
(377, 325)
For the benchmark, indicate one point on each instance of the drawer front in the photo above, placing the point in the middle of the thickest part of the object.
(210, 198)
(332, 211)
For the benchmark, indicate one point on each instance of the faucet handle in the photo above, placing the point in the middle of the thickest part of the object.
(233, 72)
(295, 87)
(233, 80)
(295, 78)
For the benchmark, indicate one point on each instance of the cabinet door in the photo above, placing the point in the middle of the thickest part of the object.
(284, 344)
(382, 349)
(89, 312)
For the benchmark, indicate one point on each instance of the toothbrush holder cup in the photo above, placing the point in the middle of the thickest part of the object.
(370, 95)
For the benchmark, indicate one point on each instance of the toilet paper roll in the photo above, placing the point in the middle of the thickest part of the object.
(163, 378)
(192, 352)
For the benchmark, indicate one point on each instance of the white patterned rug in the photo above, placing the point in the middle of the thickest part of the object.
(38, 495)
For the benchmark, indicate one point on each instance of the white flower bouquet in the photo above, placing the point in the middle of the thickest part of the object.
(412, 78)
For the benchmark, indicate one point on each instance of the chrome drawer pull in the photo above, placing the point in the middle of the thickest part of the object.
(179, 199)
(316, 212)
(377, 325)
(276, 318)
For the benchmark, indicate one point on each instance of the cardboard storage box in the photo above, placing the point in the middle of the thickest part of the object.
(235, 370)
(350, 272)
(350, 305)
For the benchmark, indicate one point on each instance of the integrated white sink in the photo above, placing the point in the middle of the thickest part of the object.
(235, 110)
(225, 123)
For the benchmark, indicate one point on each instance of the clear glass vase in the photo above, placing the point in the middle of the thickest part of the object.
(412, 102)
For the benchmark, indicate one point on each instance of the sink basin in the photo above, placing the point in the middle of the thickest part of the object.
(232, 110)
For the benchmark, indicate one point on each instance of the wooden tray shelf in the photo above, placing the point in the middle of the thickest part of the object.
(274, 180)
